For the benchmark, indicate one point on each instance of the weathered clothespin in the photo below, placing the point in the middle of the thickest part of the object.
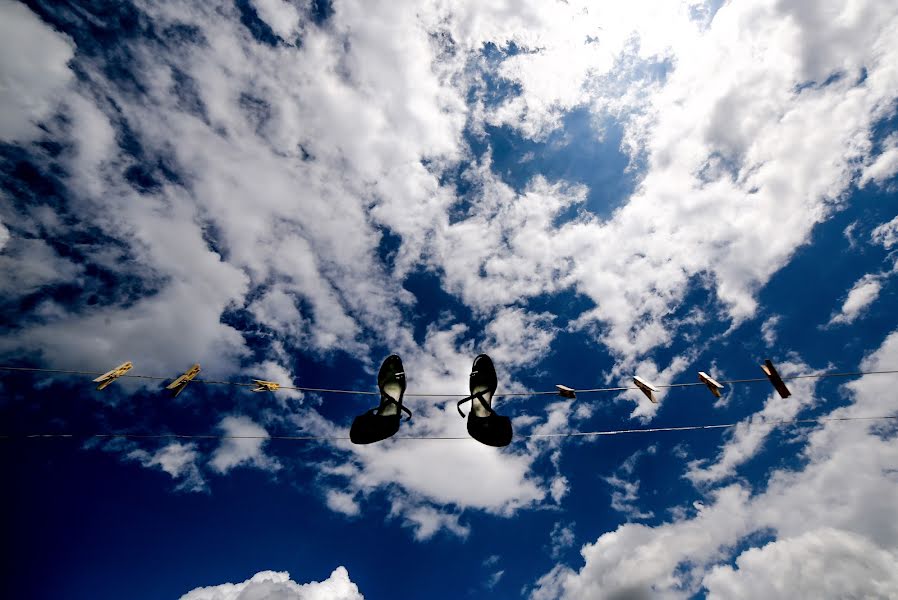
(775, 379)
(565, 391)
(177, 386)
(711, 383)
(108, 377)
(647, 388)
(265, 386)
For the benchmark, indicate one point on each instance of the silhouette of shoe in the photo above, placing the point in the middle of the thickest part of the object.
(484, 425)
(382, 422)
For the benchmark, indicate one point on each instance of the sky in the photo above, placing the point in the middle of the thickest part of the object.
(292, 190)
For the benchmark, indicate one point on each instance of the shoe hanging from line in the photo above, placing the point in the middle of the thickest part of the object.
(382, 422)
(484, 425)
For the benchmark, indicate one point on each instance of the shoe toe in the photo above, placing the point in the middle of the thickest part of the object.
(494, 430)
(369, 428)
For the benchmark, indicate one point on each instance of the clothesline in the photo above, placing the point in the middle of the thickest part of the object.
(413, 394)
(532, 436)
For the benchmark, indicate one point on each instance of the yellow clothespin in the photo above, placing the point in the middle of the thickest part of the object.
(711, 383)
(265, 386)
(108, 377)
(565, 391)
(647, 388)
(775, 379)
(177, 386)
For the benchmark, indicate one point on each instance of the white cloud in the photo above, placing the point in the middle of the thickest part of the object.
(625, 488)
(342, 502)
(281, 16)
(519, 337)
(862, 294)
(43, 267)
(33, 70)
(750, 434)
(272, 371)
(494, 579)
(243, 447)
(768, 330)
(884, 166)
(426, 520)
(178, 460)
(824, 563)
(886, 235)
(844, 493)
(274, 584)
(739, 169)
(561, 538)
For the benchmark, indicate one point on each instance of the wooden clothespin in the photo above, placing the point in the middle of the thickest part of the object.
(265, 386)
(711, 383)
(177, 386)
(647, 388)
(775, 379)
(108, 377)
(565, 391)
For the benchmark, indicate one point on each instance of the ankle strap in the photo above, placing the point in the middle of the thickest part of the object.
(479, 396)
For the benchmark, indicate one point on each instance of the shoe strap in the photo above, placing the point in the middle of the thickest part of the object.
(479, 396)
(385, 399)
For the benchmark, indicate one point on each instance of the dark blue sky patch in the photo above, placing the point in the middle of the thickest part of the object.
(259, 29)
(434, 305)
(575, 153)
(827, 268)
(883, 128)
(321, 11)
(492, 88)
(148, 168)
(388, 246)
(185, 89)
(214, 238)
(815, 85)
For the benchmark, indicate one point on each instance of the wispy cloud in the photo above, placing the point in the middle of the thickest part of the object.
(243, 445)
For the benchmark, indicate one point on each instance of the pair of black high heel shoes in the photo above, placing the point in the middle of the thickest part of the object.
(484, 425)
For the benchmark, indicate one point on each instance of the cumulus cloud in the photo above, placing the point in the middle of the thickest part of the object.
(275, 584)
(824, 563)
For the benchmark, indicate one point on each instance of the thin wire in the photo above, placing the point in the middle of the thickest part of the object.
(430, 395)
(569, 434)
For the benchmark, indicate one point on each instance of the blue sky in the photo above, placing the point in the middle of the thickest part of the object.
(292, 190)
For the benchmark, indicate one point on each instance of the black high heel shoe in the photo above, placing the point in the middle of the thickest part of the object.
(382, 422)
(484, 425)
